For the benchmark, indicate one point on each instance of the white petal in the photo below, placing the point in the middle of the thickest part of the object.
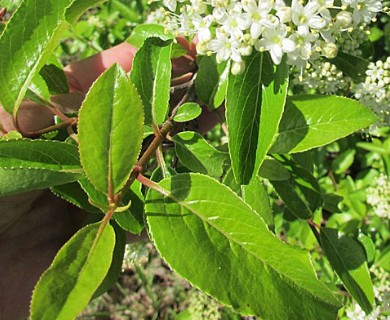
(288, 45)
(255, 30)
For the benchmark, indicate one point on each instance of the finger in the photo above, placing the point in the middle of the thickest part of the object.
(83, 73)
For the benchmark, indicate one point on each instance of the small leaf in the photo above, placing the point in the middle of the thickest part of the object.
(37, 164)
(55, 79)
(187, 112)
(151, 74)
(311, 121)
(145, 31)
(227, 251)
(198, 155)
(110, 130)
(348, 260)
(254, 106)
(343, 161)
(211, 81)
(76, 272)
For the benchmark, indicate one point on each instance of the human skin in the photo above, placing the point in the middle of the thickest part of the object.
(34, 225)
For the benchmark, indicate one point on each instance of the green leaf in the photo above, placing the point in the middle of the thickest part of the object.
(36, 164)
(110, 130)
(254, 106)
(73, 193)
(384, 259)
(215, 240)
(348, 260)
(211, 81)
(343, 161)
(187, 112)
(352, 66)
(116, 263)
(257, 197)
(151, 74)
(272, 169)
(311, 121)
(301, 192)
(28, 42)
(132, 219)
(55, 79)
(198, 155)
(145, 31)
(78, 7)
(76, 272)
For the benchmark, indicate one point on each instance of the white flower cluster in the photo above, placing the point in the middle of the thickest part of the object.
(321, 77)
(375, 91)
(304, 30)
(378, 196)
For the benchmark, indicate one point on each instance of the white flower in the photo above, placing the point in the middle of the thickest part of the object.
(259, 15)
(365, 10)
(307, 16)
(225, 47)
(274, 40)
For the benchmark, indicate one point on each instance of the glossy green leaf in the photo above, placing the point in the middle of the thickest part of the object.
(151, 74)
(110, 130)
(55, 79)
(254, 106)
(28, 42)
(215, 240)
(198, 155)
(36, 164)
(211, 81)
(311, 121)
(187, 112)
(76, 272)
(116, 262)
(145, 31)
(352, 66)
(301, 192)
(348, 260)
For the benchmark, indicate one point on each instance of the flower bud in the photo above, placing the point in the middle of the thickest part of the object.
(344, 19)
(329, 50)
(238, 67)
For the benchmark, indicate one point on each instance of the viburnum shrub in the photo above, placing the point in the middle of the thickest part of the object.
(207, 210)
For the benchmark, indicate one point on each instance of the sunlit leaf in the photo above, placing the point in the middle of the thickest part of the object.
(76, 272)
(215, 240)
(110, 130)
